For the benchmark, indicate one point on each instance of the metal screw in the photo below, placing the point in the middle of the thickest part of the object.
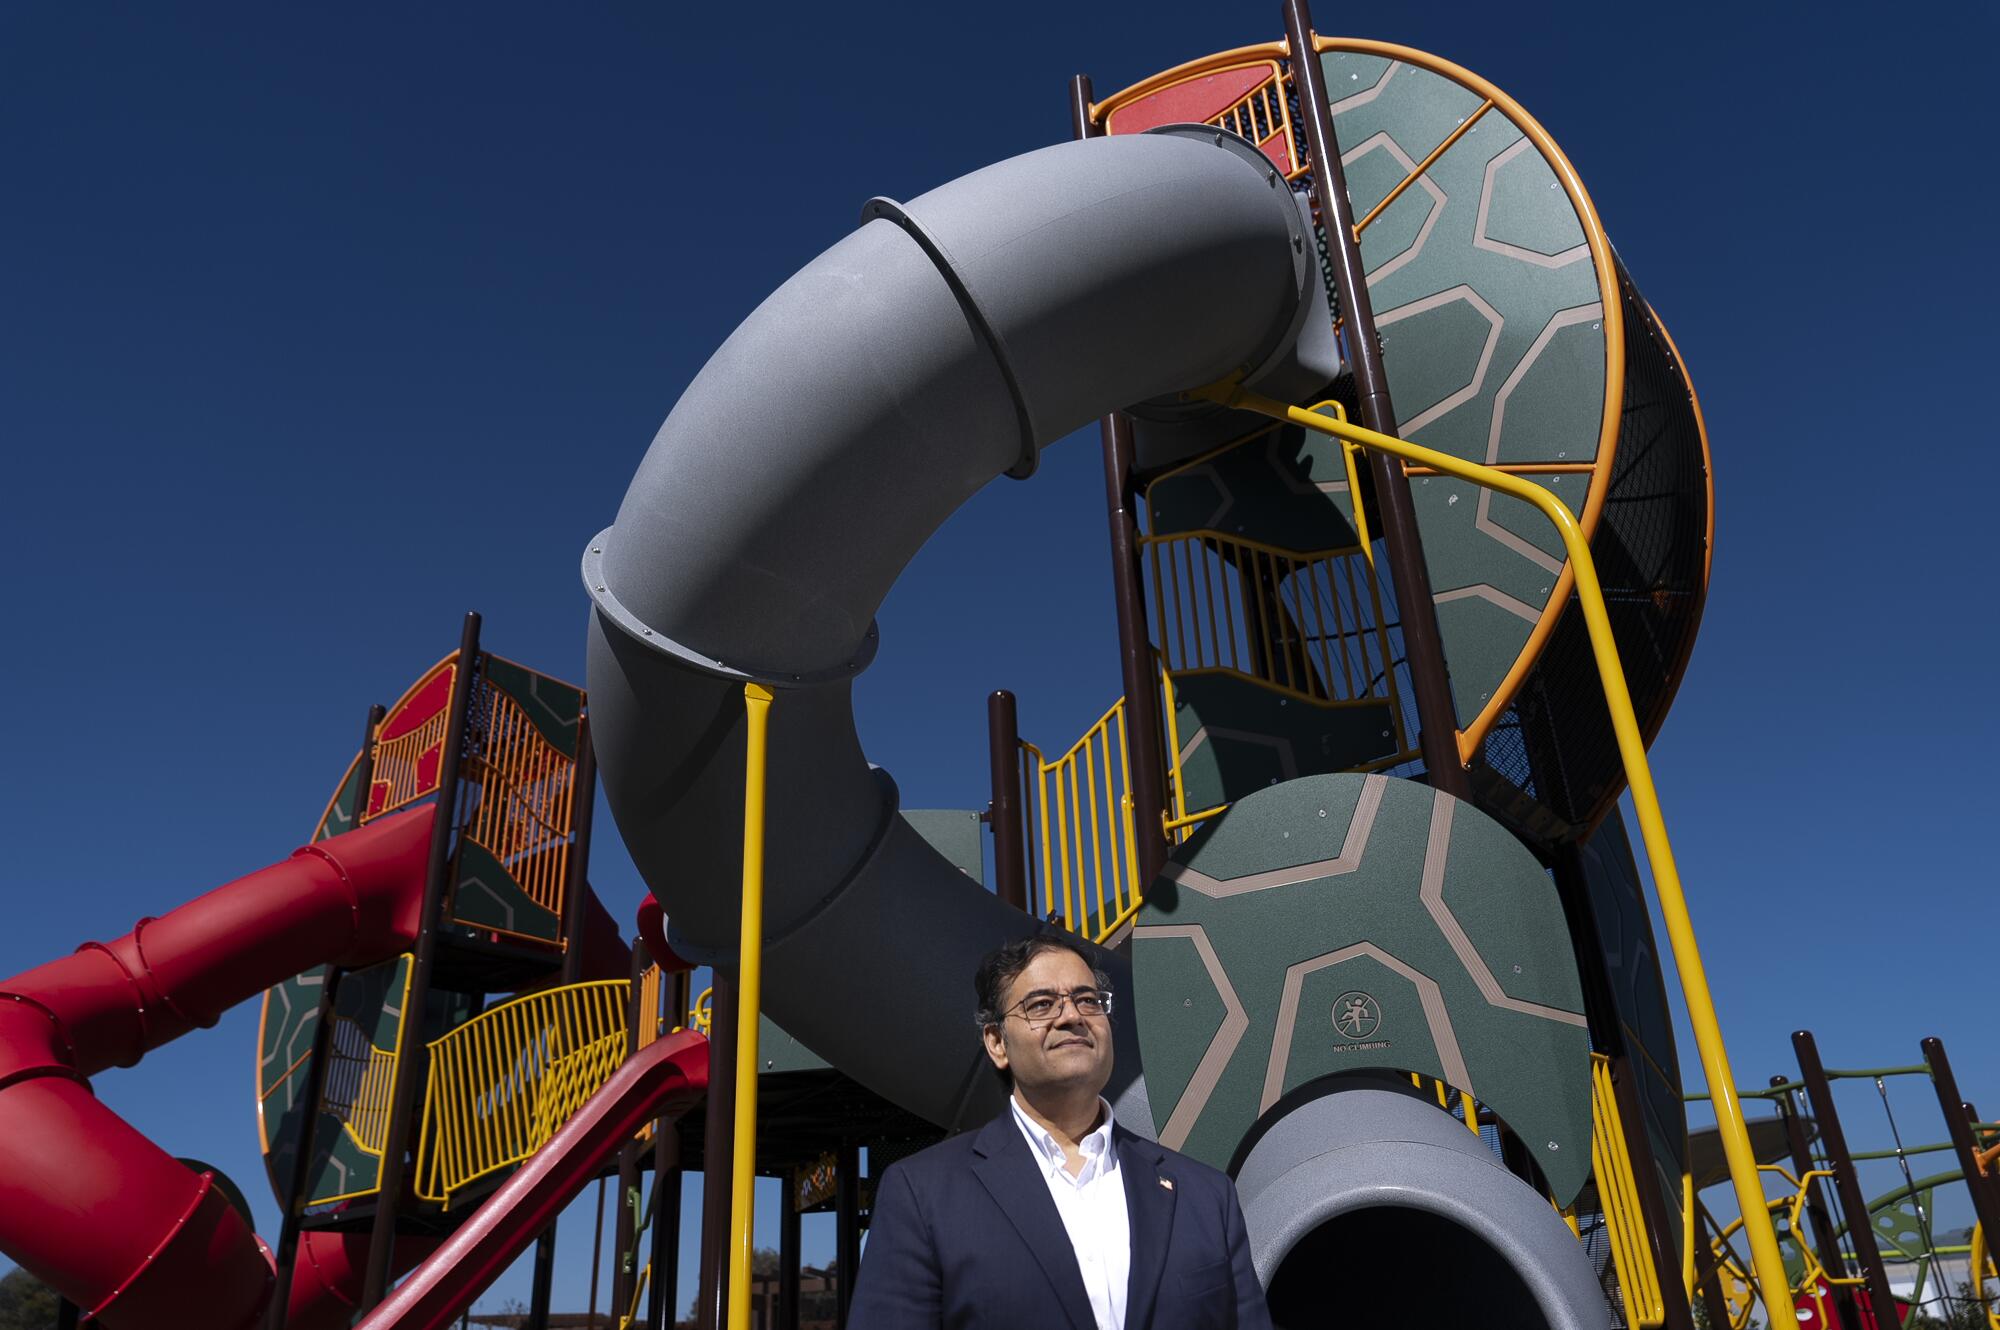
(1554, 1146)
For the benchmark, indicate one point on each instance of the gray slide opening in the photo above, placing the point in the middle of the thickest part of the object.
(1369, 1207)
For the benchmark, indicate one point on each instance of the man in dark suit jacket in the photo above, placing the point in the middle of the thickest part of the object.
(1052, 1214)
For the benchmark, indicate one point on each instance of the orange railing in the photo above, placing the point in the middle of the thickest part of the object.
(526, 801)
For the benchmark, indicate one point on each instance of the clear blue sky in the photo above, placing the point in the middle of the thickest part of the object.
(321, 326)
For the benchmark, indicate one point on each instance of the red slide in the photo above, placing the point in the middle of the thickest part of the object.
(89, 1205)
(659, 1080)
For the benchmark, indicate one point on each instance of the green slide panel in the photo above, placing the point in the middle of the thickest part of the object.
(1237, 737)
(1501, 335)
(352, 1109)
(1345, 922)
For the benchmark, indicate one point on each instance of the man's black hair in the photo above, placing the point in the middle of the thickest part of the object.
(1003, 965)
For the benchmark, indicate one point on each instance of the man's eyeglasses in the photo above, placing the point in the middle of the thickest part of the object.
(1042, 1008)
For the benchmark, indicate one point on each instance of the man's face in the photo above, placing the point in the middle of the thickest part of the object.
(1071, 1051)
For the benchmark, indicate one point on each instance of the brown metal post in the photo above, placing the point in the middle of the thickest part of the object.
(1853, 1206)
(1423, 647)
(1958, 1119)
(789, 1243)
(67, 1314)
(1826, 1238)
(1143, 726)
(1705, 1268)
(596, 1251)
(1010, 850)
(625, 1239)
(664, 1292)
(847, 1227)
(409, 1055)
(576, 873)
(718, 1150)
(576, 877)
(294, 1199)
(543, 1288)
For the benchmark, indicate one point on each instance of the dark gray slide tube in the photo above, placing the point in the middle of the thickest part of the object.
(941, 344)
(1370, 1207)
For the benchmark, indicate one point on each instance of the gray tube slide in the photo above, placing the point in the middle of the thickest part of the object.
(941, 344)
(1369, 1207)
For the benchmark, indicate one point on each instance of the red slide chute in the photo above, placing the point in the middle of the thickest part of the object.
(89, 1205)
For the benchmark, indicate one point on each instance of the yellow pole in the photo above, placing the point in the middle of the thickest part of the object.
(749, 995)
(1764, 1255)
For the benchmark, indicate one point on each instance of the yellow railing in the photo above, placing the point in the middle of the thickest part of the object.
(1618, 1197)
(1983, 1268)
(1089, 845)
(1766, 1259)
(651, 985)
(360, 1083)
(505, 1081)
(526, 803)
(1288, 620)
(702, 1013)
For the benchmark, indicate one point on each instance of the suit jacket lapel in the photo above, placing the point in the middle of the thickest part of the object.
(1007, 1169)
(1149, 1206)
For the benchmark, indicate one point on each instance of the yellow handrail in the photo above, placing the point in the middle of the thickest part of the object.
(750, 984)
(1090, 881)
(505, 1081)
(701, 1014)
(1618, 1197)
(1767, 1260)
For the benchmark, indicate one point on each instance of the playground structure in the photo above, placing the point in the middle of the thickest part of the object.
(1410, 513)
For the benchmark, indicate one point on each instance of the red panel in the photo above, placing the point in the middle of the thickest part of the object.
(378, 798)
(420, 704)
(428, 763)
(1279, 149)
(1195, 100)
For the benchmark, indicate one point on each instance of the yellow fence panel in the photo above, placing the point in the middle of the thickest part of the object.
(504, 1082)
(1088, 843)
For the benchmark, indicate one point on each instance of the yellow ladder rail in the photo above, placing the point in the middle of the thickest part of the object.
(1766, 1258)
(1618, 1197)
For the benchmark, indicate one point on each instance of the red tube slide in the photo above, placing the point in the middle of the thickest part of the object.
(659, 1080)
(90, 1206)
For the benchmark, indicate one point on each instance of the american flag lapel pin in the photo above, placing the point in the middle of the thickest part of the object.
(1168, 1183)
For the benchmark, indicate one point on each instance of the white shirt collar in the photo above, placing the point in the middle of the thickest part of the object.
(1049, 1151)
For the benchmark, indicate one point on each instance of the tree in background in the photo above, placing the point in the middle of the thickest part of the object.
(26, 1303)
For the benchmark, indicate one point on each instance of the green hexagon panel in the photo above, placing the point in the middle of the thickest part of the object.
(1284, 487)
(1341, 922)
(1488, 303)
(1237, 736)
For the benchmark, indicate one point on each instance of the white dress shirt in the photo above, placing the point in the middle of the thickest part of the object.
(1092, 1206)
